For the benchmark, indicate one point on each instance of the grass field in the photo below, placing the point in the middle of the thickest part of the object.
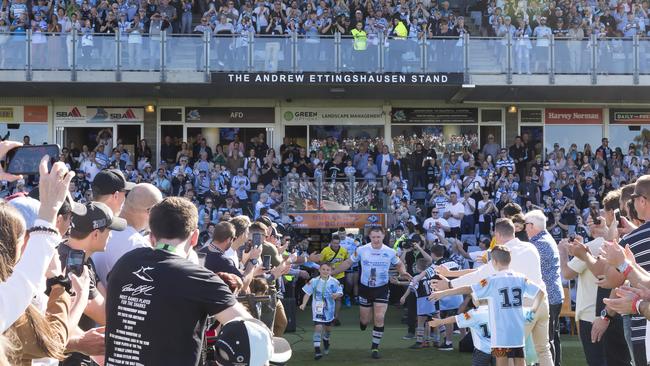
(351, 346)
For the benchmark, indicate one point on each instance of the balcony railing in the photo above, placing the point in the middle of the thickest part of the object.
(166, 54)
(334, 195)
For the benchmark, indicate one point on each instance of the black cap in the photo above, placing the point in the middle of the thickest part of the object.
(76, 207)
(98, 216)
(248, 342)
(109, 181)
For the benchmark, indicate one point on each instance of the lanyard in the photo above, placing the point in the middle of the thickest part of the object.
(166, 247)
(322, 289)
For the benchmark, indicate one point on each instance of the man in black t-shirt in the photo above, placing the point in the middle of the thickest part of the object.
(158, 301)
(215, 259)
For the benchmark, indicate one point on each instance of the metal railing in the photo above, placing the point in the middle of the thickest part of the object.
(335, 195)
(473, 56)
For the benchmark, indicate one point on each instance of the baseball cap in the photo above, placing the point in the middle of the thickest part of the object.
(109, 181)
(248, 342)
(28, 208)
(76, 207)
(98, 216)
(275, 231)
(642, 187)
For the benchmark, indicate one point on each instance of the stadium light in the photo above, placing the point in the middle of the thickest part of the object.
(150, 108)
(512, 109)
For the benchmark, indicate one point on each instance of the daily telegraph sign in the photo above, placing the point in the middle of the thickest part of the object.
(340, 79)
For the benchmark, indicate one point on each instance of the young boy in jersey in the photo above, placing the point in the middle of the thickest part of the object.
(325, 290)
(335, 254)
(477, 320)
(504, 292)
(425, 307)
(449, 305)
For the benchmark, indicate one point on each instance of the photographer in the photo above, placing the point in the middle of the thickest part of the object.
(223, 239)
(272, 313)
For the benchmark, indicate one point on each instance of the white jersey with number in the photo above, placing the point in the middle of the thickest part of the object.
(375, 264)
(505, 292)
(477, 320)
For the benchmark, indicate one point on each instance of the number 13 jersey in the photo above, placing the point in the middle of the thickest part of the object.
(505, 292)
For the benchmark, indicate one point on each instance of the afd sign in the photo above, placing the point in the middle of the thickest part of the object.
(98, 114)
(339, 79)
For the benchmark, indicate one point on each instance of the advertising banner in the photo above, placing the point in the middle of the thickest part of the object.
(574, 116)
(434, 115)
(324, 220)
(229, 115)
(328, 116)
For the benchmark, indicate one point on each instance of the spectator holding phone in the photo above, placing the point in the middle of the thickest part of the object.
(223, 237)
(88, 235)
(17, 290)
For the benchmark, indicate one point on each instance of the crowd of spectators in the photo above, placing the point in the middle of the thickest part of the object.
(68, 267)
(141, 24)
(573, 23)
(439, 190)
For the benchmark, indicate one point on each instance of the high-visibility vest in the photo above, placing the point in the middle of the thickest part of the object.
(360, 39)
(400, 31)
(398, 242)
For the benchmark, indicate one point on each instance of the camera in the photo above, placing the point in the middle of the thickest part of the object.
(407, 244)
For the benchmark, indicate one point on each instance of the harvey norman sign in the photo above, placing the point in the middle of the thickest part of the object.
(574, 115)
(339, 79)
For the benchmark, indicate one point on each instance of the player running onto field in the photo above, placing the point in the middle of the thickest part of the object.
(375, 260)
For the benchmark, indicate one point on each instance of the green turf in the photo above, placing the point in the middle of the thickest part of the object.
(351, 346)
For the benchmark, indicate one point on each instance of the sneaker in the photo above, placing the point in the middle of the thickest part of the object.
(337, 323)
(326, 350)
(446, 347)
(375, 354)
(408, 336)
(318, 356)
(416, 345)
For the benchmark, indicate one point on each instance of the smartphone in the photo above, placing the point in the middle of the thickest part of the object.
(572, 237)
(26, 159)
(594, 217)
(266, 262)
(75, 262)
(257, 239)
(617, 215)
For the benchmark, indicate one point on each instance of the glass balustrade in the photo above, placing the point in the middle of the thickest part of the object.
(339, 194)
(39, 51)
